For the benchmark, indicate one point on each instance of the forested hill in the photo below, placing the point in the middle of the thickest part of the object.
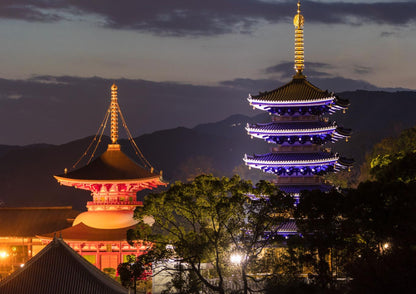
(26, 172)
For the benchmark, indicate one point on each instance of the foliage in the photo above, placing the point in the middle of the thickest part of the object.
(386, 151)
(318, 217)
(361, 233)
(343, 179)
(208, 219)
(132, 270)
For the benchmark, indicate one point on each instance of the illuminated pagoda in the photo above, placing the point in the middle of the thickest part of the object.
(99, 234)
(299, 129)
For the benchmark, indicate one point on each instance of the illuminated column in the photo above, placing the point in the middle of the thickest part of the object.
(114, 114)
(299, 21)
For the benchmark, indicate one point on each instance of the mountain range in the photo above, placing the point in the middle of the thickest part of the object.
(26, 172)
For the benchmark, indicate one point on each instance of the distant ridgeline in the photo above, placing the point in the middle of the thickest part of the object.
(26, 171)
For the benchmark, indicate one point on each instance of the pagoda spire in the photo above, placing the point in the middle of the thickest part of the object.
(114, 114)
(299, 21)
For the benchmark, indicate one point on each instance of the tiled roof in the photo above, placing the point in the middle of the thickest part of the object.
(30, 221)
(287, 227)
(111, 165)
(58, 269)
(282, 126)
(297, 89)
(293, 157)
(82, 232)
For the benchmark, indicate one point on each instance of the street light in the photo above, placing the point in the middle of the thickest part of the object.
(236, 258)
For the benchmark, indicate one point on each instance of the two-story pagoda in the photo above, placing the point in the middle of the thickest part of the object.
(299, 129)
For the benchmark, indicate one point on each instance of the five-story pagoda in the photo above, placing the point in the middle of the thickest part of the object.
(299, 128)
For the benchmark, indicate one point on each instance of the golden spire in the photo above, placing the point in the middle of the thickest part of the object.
(114, 114)
(299, 21)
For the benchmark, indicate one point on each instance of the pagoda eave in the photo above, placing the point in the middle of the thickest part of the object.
(270, 160)
(290, 132)
(261, 104)
(155, 179)
(130, 185)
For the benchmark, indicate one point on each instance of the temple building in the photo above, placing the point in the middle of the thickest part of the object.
(18, 230)
(113, 179)
(59, 269)
(299, 128)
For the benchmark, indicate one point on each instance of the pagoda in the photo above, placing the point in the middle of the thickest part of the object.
(299, 129)
(100, 233)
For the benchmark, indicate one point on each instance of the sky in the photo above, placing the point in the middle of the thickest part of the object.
(184, 62)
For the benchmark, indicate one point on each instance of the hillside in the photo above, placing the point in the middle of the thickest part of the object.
(26, 172)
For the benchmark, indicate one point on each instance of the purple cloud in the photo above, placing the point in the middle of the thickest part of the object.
(196, 18)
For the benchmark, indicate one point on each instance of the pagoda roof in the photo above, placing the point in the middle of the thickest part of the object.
(57, 268)
(290, 127)
(82, 232)
(112, 165)
(317, 158)
(297, 89)
(297, 159)
(30, 221)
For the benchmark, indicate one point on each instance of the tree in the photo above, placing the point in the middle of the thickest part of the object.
(209, 219)
(387, 150)
(319, 221)
(132, 270)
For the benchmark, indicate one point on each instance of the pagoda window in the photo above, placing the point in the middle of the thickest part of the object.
(121, 199)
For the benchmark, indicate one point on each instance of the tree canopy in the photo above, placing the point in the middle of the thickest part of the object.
(207, 220)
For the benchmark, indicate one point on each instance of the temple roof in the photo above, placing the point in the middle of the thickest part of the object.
(113, 164)
(287, 228)
(292, 126)
(297, 89)
(292, 158)
(82, 232)
(297, 159)
(59, 269)
(30, 221)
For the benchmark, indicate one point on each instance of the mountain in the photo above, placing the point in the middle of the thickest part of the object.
(26, 172)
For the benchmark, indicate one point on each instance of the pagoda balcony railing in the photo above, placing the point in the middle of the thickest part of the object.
(114, 203)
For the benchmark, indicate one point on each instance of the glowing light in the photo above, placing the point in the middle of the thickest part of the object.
(236, 258)
(386, 246)
(3, 254)
(22, 265)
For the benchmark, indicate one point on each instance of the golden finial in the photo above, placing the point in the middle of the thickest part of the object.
(299, 21)
(114, 114)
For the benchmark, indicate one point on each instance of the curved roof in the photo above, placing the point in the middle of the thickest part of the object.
(82, 232)
(297, 89)
(29, 221)
(113, 164)
(292, 126)
(57, 268)
(292, 158)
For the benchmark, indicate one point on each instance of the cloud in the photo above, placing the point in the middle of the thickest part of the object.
(214, 17)
(362, 69)
(387, 34)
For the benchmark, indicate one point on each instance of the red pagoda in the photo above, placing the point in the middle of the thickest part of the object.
(299, 129)
(99, 234)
